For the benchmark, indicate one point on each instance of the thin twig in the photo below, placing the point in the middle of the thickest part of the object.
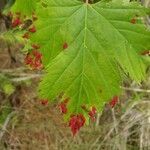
(97, 119)
(4, 127)
(13, 70)
(26, 78)
(135, 89)
(25, 74)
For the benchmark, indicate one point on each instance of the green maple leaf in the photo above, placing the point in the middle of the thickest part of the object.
(103, 45)
(26, 7)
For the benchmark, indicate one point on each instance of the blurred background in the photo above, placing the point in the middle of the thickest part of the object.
(26, 124)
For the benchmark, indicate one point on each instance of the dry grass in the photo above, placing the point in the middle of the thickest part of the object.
(37, 127)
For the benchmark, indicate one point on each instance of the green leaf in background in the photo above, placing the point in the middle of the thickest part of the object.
(6, 86)
(101, 44)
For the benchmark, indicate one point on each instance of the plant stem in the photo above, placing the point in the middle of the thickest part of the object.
(87, 1)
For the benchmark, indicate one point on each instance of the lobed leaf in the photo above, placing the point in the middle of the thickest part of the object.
(103, 44)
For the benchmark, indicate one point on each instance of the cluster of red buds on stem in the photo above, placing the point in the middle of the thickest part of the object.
(76, 122)
(92, 114)
(63, 106)
(34, 58)
(19, 21)
(114, 101)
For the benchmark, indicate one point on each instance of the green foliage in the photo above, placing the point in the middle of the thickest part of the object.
(26, 7)
(103, 45)
(6, 86)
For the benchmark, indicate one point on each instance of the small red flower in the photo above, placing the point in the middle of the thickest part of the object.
(32, 29)
(76, 122)
(26, 36)
(37, 54)
(34, 46)
(16, 22)
(34, 60)
(44, 102)
(63, 106)
(28, 59)
(37, 65)
(65, 45)
(133, 21)
(114, 101)
(92, 114)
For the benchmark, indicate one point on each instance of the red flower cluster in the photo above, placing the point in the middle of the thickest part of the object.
(92, 114)
(32, 29)
(76, 122)
(44, 102)
(27, 35)
(16, 22)
(63, 106)
(34, 60)
(114, 101)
